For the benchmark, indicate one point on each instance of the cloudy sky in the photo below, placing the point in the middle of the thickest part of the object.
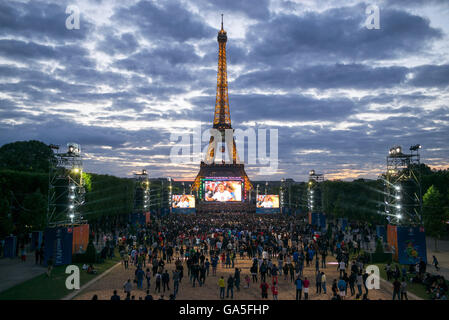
(339, 94)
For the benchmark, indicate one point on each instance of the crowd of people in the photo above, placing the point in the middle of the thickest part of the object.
(278, 248)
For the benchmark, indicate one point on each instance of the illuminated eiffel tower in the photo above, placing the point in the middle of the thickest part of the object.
(211, 169)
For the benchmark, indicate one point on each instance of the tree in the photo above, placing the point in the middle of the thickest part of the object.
(6, 224)
(25, 156)
(34, 214)
(434, 214)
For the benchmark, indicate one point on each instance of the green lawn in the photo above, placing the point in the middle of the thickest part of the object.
(43, 288)
(415, 288)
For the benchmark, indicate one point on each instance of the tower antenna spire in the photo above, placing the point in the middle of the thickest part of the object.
(222, 21)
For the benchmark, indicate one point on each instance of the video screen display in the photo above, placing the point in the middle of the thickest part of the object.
(183, 201)
(223, 191)
(268, 201)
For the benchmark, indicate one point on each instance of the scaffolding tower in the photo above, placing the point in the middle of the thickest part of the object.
(66, 193)
(142, 199)
(402, 187)
(314, 197)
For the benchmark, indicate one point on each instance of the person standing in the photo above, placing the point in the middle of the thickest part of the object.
(115, 296)
(148, 278)
(127, 287)
(306, 284)
(298, 284)
(230, 287)
(404, 289)
(175, 282)
(323, 282)
(264, 287)
(342, 288)
(237, 278)
(352, 281)
(323, 259)
(342, 268)
(158, 277)
(165, 281)
(359, 282)
(275, 290)
(139, 277)
(49, 266)
(318, 282)
(222, 285)
(396, 289)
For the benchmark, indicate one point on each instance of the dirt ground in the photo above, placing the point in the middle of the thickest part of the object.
(209, 291)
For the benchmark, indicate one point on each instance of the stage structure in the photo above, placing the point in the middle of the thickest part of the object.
(402, 187)
(221, 186)
(66, 193)
(141, 192)
(314, 198)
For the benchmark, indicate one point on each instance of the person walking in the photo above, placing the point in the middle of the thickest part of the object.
(435, 263)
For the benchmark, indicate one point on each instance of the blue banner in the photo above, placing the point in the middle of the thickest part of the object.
(268, 210)
(381, 232)
(58, 246)
(36, 240)
(343, 222)
(10, 247)
(184, 210)
(319, 220)
(411, 245)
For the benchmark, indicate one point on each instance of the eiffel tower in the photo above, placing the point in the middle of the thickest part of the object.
(213, 168)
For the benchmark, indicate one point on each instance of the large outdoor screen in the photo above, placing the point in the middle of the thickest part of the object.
(222, 190)
(268, 201)
(183, 201)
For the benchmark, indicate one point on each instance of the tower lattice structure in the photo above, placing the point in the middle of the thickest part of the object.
(224, 141)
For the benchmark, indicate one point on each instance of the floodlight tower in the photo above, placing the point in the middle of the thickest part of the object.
(314, 191)
(282, 194)
(402, 184)
(170, 190)
(66, 191)
(141, 192)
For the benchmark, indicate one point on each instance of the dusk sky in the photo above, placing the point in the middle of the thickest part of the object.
(339, 94)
